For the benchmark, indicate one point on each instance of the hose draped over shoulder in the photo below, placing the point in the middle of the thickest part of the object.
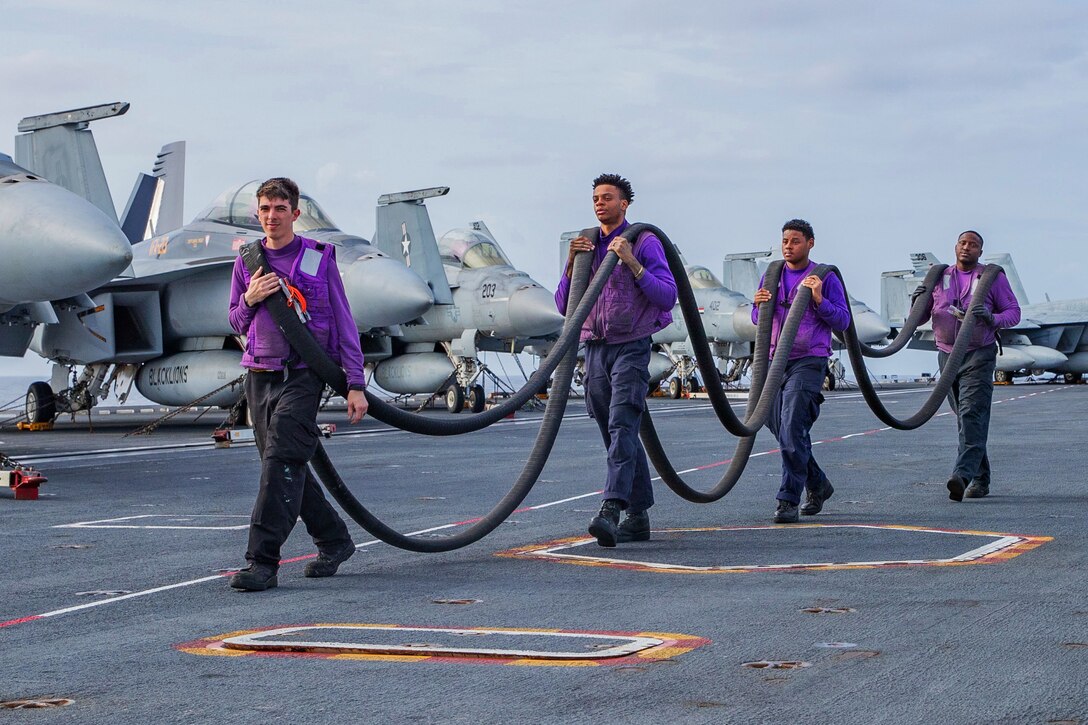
(766, 378)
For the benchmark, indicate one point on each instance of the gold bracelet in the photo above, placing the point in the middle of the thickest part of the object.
(640, 273)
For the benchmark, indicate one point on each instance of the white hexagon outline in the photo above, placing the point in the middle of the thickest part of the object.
(1002, 546)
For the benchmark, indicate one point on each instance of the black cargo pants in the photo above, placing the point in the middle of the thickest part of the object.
(284, 410)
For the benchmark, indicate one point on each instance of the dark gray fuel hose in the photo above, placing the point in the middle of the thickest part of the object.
(955, 357)
(562, 361)
(549, 429)
(910, 325)
(538, 381)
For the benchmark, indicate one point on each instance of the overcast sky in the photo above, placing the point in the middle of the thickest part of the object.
(891, 128)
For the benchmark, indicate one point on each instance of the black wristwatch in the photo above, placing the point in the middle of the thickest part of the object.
(358, 387)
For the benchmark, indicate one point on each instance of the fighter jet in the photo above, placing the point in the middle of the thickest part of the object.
(1051, 336)
(56, 247)
(482, 303)
(727, 319)
(165, 327)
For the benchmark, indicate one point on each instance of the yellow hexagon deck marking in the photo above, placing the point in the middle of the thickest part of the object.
(1002, 548)
(650, 646)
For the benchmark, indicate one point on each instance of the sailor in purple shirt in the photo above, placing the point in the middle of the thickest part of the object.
(635, 303)
(284, 395)
(797, 402)
(973, 389)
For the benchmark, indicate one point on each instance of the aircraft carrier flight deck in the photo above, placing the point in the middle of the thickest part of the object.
(893, 605)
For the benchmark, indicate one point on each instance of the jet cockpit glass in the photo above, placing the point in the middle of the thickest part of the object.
(703, 278)
(238, 207)
(471, 249)
(312, 217)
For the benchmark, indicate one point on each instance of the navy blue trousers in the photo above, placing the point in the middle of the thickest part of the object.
(796, 407)
(970, 397)
(616, 382)
(285, 429)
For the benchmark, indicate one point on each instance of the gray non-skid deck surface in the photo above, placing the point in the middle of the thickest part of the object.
(1000, 642)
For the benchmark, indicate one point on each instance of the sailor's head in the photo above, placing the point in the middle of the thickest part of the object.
(969, 247)
(612, 194)
(797, 241)
(277, 208)
(279, 187)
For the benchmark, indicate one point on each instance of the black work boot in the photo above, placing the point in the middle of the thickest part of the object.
(327, 562)
(634, 527)
(254, 578)
(956, 484)
(605, 524)
(976, 490)
(814, 500)
(786, 513)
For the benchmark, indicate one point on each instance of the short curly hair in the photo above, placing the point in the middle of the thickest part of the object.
(617, 181)
(799, 225)
(280, 187)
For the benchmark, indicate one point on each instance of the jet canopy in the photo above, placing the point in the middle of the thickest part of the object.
(238, 208)
(471, 249)
(703, 278)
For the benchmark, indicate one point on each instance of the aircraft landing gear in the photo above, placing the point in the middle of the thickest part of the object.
(1073, 378)
(455, 398)
(476, 399)
(41, 405)
(1002, 377)
(675, 388)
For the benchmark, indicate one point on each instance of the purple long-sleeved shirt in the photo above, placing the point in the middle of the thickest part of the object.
(956, 288)
(814, 334)
(657, 284)
(348, 350)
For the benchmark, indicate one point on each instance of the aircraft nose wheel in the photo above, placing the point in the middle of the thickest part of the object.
(675, 388)
(476, 399)
(41, 406)
(455, 398)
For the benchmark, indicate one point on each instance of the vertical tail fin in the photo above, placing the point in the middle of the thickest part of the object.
(895, 290)
(157, 202)
(135, 222)
(922, 261)
(741, 272)
(169, 213)
(61, 148)
(1005, 260)
(403, 231)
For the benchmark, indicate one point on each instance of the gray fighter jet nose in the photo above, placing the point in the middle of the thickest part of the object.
(60, 244)
(382, 291)
(533, 312)
(742, 323)
(871, 327)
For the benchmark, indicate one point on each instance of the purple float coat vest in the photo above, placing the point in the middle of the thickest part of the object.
(628, 309)
(956, 288)
(814, 334)
(331, 323)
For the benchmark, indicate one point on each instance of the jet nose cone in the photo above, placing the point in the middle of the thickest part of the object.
(871, 327)
(742, 323)
(382, 291)
(56, 244)
(533, 312)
